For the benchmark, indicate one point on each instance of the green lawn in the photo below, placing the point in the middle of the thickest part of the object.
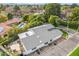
(75, 52)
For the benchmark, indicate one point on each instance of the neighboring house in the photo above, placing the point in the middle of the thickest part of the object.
(66, 13)
(14, 20)
(31, 11)
(9, 9)
(4, 27)
(18, 13)
(39, 12)
(38, 37)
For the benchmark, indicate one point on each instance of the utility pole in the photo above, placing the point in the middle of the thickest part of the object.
(67, 26)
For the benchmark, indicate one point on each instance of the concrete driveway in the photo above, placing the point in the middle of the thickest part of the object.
(61, 49)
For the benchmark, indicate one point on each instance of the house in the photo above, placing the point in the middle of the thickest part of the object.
(38, 37)
(9, 9)
(14, 20)
(4, 27)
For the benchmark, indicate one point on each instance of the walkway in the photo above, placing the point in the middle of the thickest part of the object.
(61, 49)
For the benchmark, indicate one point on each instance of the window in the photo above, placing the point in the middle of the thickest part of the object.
(51, 40)
(51, 29)
(30, 33)
(34, 48)
(46, 43)
(26, 34)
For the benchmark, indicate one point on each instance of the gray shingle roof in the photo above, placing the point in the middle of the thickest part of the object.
(41, 35)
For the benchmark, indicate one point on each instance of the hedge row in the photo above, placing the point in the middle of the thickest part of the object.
(70, 24)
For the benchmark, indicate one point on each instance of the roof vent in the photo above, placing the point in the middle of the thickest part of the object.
(21, 36)
(38, 36)
(40, 41)
(50, 29)
(29, 33)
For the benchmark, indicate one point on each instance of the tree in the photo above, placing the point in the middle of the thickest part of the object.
(76, 18)
(25, 18)
(3, 18)
(12, 35)
(10, 16)
(53, 20)
(31, 17)
(36, 20)
(74, 5)
(66, 11)
(33, 20)
(1, 6)
(64, 7)
(16, 8)
(40, 18)
(75, 13)
(71, 24)
(52, 9)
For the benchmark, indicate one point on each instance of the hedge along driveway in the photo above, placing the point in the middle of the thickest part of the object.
(70, 24)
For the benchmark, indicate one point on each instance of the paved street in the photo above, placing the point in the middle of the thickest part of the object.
(61, 49)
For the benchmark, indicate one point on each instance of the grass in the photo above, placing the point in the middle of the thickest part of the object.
(75, 52)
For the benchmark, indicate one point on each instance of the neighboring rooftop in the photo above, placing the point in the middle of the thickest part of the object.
(4, 27)
(38, 35)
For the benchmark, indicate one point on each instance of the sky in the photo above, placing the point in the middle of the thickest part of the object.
(39, 1)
